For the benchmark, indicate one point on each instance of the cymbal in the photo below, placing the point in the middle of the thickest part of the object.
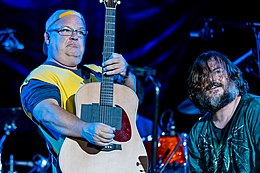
(187, 107)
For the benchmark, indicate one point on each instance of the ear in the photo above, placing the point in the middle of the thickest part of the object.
(46, 38)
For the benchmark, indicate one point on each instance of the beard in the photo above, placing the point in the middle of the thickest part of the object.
(214, 103)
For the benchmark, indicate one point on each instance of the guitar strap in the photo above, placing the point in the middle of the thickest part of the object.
(91, 69)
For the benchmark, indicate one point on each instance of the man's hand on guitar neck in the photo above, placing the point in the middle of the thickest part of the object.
(117, 65)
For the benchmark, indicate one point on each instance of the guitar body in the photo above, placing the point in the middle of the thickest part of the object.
(77, 156)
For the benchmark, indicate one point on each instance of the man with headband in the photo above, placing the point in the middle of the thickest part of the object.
(47, 94)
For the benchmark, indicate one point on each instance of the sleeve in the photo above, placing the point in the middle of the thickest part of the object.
(253, 113)
(36, 91)
(193, 153)
(257, 136)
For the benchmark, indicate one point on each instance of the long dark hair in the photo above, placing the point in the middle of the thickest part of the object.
(196, 76)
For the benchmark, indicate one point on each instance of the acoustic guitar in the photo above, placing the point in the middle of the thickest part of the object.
(112, 104)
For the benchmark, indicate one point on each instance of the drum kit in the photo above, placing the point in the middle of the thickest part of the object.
(172, 153)
(11, 120)
(172, 149)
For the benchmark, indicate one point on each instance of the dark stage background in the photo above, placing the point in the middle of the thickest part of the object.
(160, 35)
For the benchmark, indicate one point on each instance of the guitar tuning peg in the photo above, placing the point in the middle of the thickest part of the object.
(117, 2)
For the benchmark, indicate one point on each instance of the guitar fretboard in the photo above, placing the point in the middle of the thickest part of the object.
(106, 93)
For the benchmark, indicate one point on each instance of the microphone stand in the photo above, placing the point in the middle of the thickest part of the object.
(157, 86)
(8, 128)
(149, 73)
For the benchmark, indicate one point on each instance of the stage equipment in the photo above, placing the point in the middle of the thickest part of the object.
(187, 107)
(149, 74)
(38, 164)
(142, 71)
(9, 41)
(8, 128)
(172, 151)
(207, 32)
(41, 164)
(17, 115)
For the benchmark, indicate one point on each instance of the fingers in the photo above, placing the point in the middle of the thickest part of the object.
(103, 140)
(104, 135)
(99, 134)
(115, 65)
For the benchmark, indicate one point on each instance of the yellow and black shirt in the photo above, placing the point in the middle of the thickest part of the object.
(50, 80)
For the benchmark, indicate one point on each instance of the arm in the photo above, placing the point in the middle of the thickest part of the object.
(42, 100)
(52, 116)
(130, 81)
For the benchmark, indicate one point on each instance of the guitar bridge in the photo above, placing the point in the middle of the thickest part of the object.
(112, 147)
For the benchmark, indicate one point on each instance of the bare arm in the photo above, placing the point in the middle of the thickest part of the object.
(130, 81)
(60, 121)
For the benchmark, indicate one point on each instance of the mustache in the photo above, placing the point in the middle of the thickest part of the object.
(213, 84)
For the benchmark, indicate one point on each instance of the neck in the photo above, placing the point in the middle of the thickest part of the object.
(223, 116)
(62, 64)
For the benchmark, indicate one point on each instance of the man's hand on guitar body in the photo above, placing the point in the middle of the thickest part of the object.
(98, 134)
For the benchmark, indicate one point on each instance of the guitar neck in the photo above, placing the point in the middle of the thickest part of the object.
(106, 95)
(109, 33)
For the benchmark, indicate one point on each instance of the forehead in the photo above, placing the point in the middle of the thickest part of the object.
(70, 20)
(214, 62)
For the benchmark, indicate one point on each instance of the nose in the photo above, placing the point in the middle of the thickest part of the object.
(212, 77)
(74, 34)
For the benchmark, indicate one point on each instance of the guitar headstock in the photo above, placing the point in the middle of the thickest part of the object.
(110, 3)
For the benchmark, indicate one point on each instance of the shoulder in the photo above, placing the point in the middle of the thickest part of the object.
(201, 126)
(249, 107)
(48, 73)
(251, 101)
(44, 70)
(253, 98)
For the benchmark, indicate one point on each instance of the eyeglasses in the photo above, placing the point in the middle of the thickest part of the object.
(69, 32)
